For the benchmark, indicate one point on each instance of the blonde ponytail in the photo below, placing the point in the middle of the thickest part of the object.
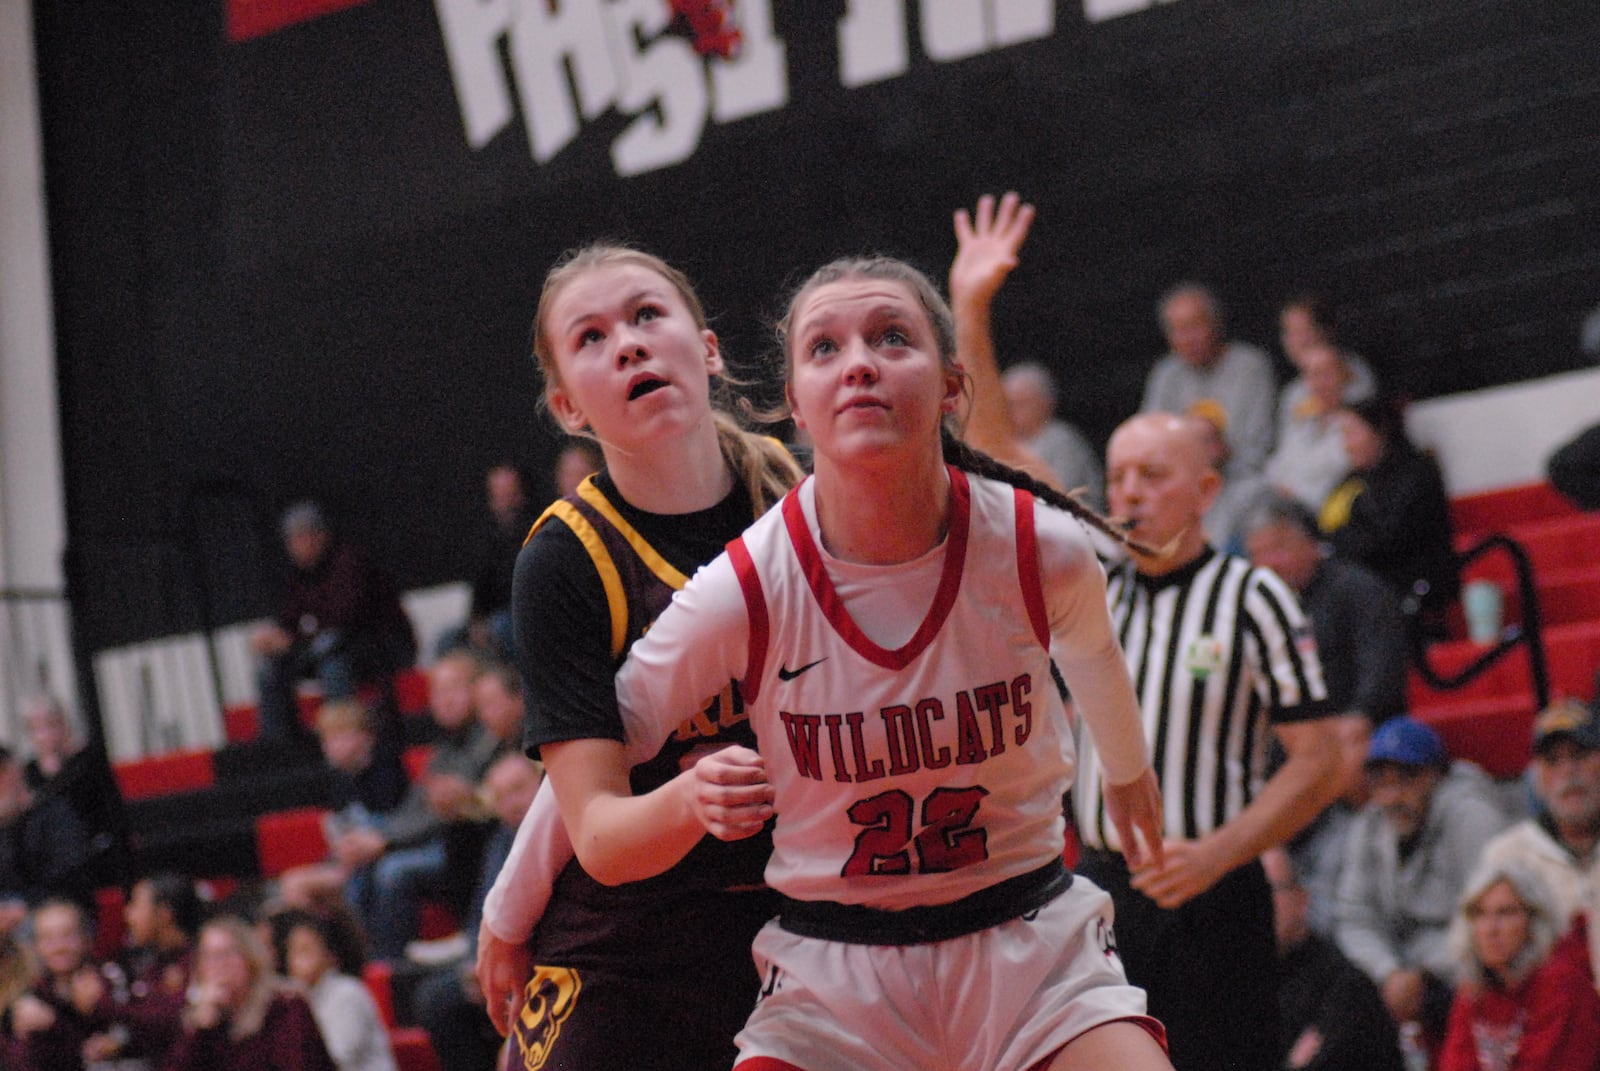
(763, 463)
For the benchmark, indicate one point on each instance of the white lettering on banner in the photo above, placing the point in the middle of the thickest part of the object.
(570, 61)
(757, 79)
(872, 42)
(872, 34)
(471, 28)
(664, 85)
(1101, 10)
(545, 45)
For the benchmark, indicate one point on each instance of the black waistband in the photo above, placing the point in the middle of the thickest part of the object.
(858, 925)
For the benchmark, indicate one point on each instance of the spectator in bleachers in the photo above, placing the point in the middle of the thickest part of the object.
(1238, 495)
(1560, 840)
(497, 699)
(240, 1015)
(1030, 392)
(1204, 365)
(404, 856)
(340, 621)
(1406, 859)
(1355, 617)
(369, 775)
(63, 765)
(16, 978)
(578, 457)
(1306, 320)
(1310, 458)
(153, 972)
(1391, 512)
(343, 1007)
(44, 847)
(64, 1007)
(1355, 620)
(1521, 1006)
(448, 1002)
(368, 781)
(488, 626)
(1330, 1015)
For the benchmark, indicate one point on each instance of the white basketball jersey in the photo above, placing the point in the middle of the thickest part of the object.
(917, 775)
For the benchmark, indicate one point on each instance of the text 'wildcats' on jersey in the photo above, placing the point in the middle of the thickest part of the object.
(985, 720)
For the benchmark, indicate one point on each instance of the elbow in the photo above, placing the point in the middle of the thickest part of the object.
(606, 868)
(619, 866)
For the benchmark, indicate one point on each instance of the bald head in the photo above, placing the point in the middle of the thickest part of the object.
(1160, 479)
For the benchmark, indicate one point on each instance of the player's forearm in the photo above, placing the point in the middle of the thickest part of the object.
(622, 838)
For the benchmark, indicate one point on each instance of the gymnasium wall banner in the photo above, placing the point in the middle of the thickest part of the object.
(296, 244)
(568, 64)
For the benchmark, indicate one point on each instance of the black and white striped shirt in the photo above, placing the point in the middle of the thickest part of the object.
(1218, 650)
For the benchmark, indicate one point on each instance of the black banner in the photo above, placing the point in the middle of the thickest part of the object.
(297, 245)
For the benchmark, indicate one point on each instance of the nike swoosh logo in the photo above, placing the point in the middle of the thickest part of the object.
(787, 674)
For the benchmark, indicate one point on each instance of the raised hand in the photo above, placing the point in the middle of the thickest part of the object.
(987, 245)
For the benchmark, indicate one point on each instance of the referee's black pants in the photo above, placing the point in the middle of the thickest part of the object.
(1209, 968)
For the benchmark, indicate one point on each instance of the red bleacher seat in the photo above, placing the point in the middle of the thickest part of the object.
(379, 979)
(1566, 596)
(412, 1050)
(109, 923)
(1498, 510)
(1495, 733)
(1559, 543)
(415, 759)
(157, 775)
(286, 839)
(411, 690)
(240, 723)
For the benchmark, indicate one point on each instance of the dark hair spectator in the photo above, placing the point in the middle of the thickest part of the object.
(340, 620)
(1391, 512)
(44, 847)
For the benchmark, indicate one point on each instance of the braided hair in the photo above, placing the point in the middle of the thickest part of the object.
(968, 458)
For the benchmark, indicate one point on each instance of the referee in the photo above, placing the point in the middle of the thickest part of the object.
(1219, 653)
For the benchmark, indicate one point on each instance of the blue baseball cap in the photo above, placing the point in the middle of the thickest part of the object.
(1405, 741)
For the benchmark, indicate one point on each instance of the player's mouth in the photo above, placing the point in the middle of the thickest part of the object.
(863, 401)
(643, 385)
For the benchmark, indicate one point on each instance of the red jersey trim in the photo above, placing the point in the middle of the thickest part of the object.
(755, 607)
(1028, 567)
(816, 573)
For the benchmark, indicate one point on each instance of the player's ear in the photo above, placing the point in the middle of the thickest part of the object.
(794, 410)
(714, 364)
(1210, 483)
(954, 380)
(565, 410)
